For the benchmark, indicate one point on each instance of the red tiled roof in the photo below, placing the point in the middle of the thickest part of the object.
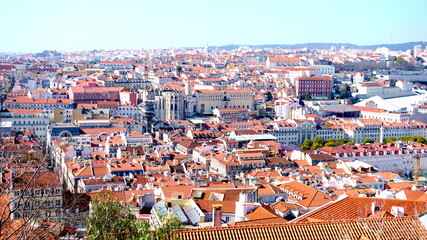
(391, 228)
(352, 208)
(310, 197)
(284, 59)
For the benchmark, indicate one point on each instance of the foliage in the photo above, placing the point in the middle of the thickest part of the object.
(400, 63)
(268, 96)
(399, 60)
(335, 89)
(345, 92)
(342, 140)
(319, 142)
(418, 139)
(316, 145)
(169, 228)
(179, 70)
(300, 101)
(306, 96)
(390, 140)
(331, 96)
(109, 219)
(306, 145)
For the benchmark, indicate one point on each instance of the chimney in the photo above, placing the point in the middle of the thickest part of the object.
(217, 215)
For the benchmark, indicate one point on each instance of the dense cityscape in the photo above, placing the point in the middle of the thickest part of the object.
(213, 120)
(225, 141)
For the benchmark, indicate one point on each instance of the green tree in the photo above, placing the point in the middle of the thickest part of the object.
(400, 63)
(168, 230)
(179, 70)
(421, 140)
(331, 144)
(390, 140)
(331, 96)
(351, 143)
(316, 145)
(345, 92)
(300, 100)
(342, 141)
(110, 220)
(306, 145)
(399, 60)
(319, 140)
(268, 96)
(306, 96)
(407, 139)
(367, 140)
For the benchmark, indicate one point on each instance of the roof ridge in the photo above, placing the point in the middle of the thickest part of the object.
(291, 223)
(318, 209)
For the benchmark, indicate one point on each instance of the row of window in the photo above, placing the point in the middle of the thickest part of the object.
(37, 204)
(37, 192)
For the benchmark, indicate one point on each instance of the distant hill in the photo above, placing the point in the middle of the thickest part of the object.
(393, 47)
(48, 53)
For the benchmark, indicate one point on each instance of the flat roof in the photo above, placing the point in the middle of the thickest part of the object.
(243, 138)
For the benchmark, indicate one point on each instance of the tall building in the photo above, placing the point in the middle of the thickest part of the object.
(167, 103)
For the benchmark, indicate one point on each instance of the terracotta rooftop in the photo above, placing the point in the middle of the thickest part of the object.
(306, 196)
(353, 208)
(393, 228)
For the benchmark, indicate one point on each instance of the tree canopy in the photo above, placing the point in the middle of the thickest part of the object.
(268, 96)
(110, 220)
(319, 142)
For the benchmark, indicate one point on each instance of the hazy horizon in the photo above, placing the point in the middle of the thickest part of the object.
(34, 26)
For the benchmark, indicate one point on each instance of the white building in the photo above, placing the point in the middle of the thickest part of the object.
(282, 108)
(324, 69)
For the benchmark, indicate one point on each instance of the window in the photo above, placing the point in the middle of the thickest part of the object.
(17, 193)
(47, 191)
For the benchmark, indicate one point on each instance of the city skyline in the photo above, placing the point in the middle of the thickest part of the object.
(76, 26)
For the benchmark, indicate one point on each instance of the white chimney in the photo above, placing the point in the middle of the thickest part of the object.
(397, 211)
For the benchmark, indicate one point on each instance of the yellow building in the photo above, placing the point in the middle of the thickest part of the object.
(208, 100)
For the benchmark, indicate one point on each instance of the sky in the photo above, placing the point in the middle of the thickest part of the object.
(36, 25)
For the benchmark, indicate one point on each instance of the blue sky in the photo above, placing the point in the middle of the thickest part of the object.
(36, 25)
